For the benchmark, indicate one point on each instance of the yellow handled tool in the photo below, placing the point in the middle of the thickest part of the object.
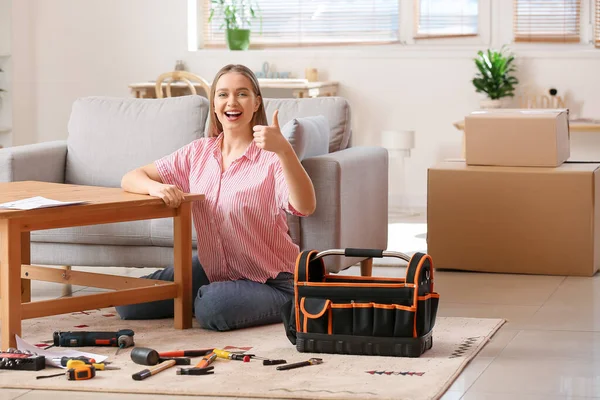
(97, 366)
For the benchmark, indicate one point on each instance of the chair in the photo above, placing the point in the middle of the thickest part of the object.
(180, 76)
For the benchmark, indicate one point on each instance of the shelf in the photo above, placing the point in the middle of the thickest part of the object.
(5, 129)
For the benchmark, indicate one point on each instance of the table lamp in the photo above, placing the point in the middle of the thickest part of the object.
(399, 145)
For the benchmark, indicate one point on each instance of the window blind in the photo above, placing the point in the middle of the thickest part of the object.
(308, 22)
(597, 24)
(547, 20)
(446, 18)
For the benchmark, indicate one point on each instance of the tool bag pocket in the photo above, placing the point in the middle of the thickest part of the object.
(361, 315)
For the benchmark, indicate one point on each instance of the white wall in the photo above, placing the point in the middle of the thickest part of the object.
(5, 77)
(63, 49)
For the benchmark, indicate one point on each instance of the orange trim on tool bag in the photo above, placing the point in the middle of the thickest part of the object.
(373, 305)
(416, 289)
(383, 278)
(429, 296)
(384, 306)
(347, 284)
(330, 322)
(320, 314)
(341, 305)
(305, 327)
(296, 304)
(297, 312)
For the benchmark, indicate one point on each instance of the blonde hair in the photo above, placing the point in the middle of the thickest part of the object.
(260, 116)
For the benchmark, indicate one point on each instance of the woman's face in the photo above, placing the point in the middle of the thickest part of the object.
(235, 102)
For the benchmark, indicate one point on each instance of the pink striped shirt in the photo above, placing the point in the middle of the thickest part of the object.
(241, 225)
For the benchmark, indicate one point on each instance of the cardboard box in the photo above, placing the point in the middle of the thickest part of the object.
(515, 220)
(525, 138)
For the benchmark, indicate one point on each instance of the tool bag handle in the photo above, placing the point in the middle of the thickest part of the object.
(310, 264)
(420, 273)
(366, 253)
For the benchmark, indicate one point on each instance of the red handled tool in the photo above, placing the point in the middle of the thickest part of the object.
(186, 353)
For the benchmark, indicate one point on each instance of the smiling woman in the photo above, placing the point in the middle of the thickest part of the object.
(251, 177)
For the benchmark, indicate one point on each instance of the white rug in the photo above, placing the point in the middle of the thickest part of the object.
(456, 341)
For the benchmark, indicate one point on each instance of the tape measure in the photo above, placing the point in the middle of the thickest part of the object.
(79, 373)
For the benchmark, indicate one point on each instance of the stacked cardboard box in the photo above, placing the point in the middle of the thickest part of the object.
(515, 205)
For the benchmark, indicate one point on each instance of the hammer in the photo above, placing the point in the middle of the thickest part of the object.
(202, 368)
(146, 356)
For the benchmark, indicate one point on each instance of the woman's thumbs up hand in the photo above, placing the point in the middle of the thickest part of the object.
(270, 137)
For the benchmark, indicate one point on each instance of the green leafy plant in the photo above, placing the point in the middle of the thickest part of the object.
(236, 14)
(495, 74)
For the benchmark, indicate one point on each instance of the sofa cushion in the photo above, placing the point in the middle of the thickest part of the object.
(134, 233)
(110, 136)
(335, 109)
(309, 136)
(161, 232)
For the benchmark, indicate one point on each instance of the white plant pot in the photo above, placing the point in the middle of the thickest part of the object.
(487, 104)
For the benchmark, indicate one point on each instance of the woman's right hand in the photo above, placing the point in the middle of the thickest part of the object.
(170, 194)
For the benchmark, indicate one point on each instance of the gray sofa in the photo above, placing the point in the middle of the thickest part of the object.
(109, 136)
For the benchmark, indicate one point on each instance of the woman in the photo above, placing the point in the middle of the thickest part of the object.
(251, 177)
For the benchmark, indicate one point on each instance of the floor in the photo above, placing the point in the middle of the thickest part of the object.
(548, 349)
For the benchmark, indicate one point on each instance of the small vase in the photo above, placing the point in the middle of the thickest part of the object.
(488, 104)
(238, 39)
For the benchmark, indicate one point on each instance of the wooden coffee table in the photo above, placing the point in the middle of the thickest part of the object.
(105, 205)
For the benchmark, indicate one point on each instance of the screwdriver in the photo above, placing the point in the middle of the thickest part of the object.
(97, 366)
(229, 355)
(64, 360)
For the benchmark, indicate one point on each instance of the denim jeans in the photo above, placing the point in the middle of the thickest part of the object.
(220, 306)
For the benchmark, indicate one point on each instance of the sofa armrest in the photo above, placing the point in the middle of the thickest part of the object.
(34, 162)
(351, 187)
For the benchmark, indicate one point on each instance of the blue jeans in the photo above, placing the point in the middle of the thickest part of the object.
(221, 306)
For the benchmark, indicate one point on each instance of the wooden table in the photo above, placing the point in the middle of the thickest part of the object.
(105, 205)
(299, 88)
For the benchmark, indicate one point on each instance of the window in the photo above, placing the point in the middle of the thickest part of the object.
(547, 20)
(303, 22)
(446, 18)
(597, 24)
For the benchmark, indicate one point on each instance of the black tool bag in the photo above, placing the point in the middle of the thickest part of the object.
(361, 315)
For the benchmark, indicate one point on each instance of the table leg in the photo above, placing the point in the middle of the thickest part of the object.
(26, 260)
(10, 284)
(182, 247)
(366, 267)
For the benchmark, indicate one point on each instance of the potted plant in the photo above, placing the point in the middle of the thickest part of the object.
(237, 16)
(495, 76)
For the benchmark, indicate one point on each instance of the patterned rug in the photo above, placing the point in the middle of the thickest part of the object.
(456, 341)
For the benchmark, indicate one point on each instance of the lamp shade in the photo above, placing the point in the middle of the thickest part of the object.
(398, 140)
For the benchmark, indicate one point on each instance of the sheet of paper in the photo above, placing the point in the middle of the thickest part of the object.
(37, 202)
(56, 352)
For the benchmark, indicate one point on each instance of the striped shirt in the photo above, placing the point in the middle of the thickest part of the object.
(241, 224)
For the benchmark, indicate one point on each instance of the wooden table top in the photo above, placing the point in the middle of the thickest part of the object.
(97, 197)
